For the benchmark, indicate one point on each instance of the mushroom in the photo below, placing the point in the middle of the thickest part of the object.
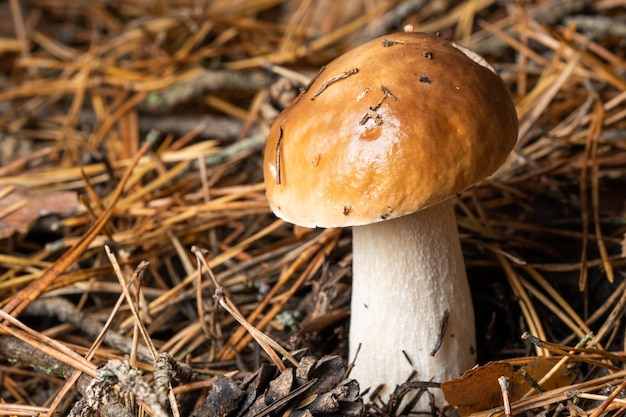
(383, 140)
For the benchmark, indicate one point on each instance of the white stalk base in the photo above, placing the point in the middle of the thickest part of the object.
(407, 273)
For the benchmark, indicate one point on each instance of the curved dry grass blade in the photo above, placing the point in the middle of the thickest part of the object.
(269, 345)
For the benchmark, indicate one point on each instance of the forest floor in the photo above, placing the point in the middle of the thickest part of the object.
(131, 151)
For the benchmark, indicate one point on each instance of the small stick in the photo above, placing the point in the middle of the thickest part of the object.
(536, 386)
(504, 387)
(371, 114)
(386, 93)
(351, 364)
(278, 143)
(569, 350)
(387, 43)
(332, 80)
(407, 357)
(442, 332)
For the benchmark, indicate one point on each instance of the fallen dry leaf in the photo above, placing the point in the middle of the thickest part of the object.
(478, 389)
(536, 370)
(19, 209)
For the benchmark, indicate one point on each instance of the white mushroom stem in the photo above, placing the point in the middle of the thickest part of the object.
(408, 278)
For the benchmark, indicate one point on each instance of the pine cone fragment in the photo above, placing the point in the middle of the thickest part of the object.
(314, 388)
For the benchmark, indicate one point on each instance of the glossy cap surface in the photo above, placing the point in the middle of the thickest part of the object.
(395, 125)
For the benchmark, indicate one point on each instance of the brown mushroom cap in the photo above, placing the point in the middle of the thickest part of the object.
(395, 125)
